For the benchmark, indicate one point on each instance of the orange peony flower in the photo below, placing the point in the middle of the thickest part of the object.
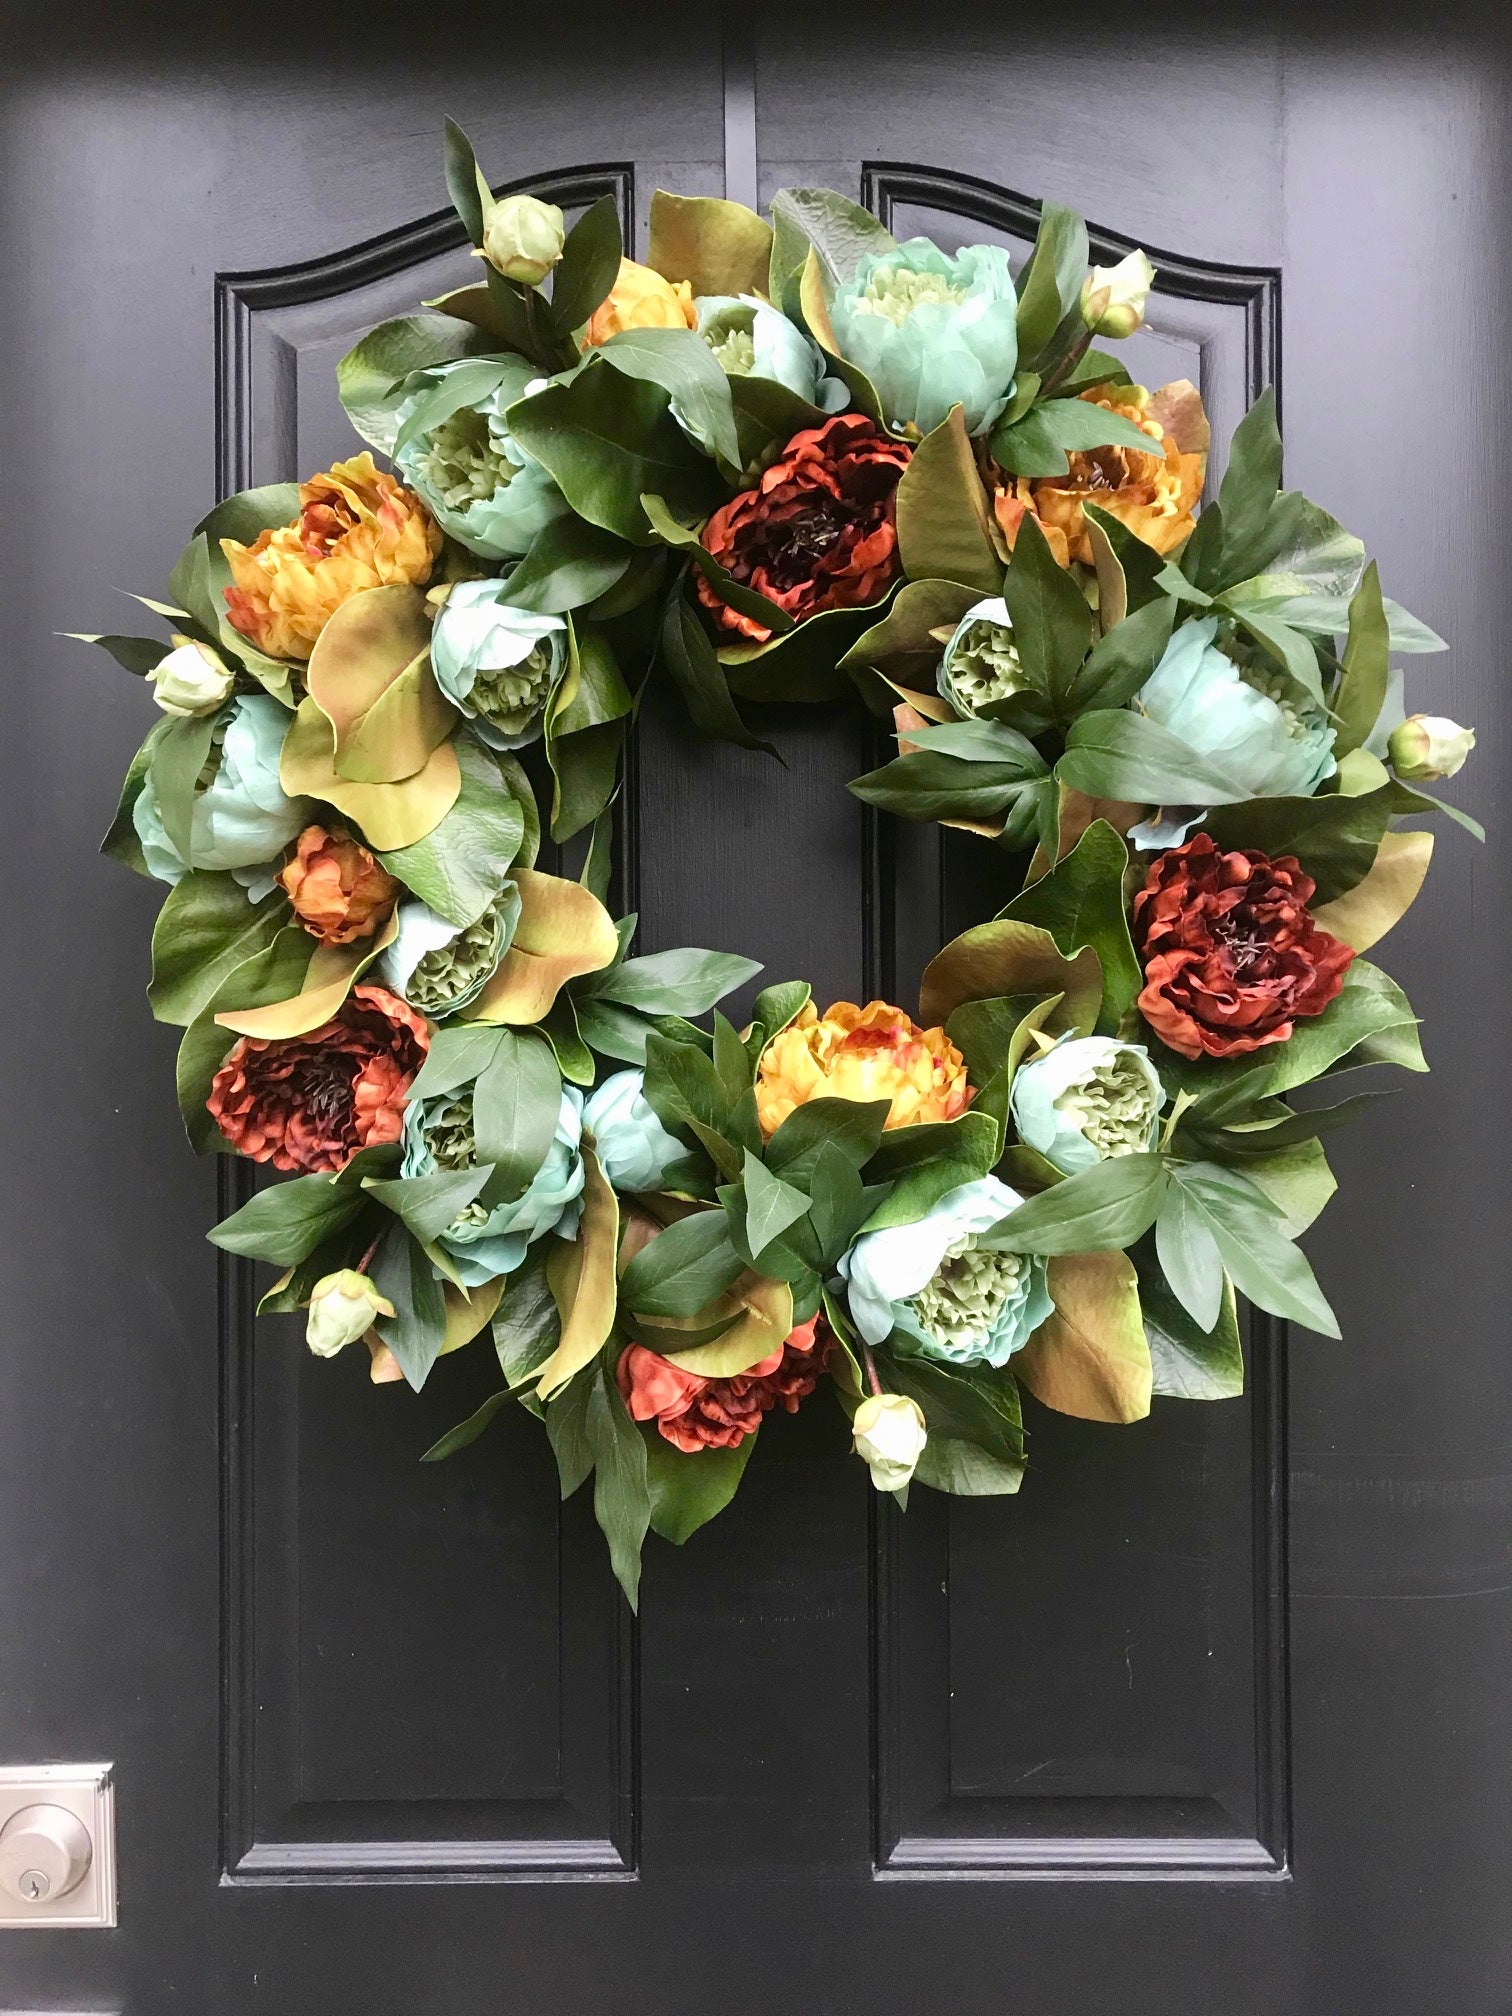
(1155, 495)
(694, 1413)
(867, 1053)
(339, 889)
(357, 528)
(641, 299)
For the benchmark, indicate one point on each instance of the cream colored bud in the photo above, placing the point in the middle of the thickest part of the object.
(342, 1308)
(889, 1438)
(192, 679)
(523, 238)
(1113, 298)
(1426, 747)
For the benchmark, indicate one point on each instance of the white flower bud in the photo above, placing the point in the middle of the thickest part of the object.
(1113, 297)
(192, 679)
(523, 238)
(342, 1308)
(1426, 747)
(889, 1438)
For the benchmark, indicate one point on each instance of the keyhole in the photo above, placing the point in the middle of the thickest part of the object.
(34, 1885)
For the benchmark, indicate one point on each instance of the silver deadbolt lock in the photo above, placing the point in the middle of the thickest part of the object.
(45, 1852)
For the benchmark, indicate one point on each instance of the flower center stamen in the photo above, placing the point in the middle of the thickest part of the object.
(967, 1293)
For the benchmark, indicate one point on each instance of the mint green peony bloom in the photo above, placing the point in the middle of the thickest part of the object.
(1244, 718)
(633, 1147)
(484, 1243)
(499, 664)
(478, 482)
(932, 332)
(751, 339)
(981, 662)
(1087, 1099)
(242, 818)
(936, 1293)
(441, 969)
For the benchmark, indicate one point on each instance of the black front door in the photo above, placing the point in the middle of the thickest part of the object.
(1211, 1718)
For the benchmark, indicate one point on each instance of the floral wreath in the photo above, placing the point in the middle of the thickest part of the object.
(780, 461)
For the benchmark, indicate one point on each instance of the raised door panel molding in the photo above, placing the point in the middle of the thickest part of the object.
(427, 1671)
(1088, 1679)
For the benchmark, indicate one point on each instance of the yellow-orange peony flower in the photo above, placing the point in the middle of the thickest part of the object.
(867, 1053)
(641, 299)
(1154, 495)
(357, 528)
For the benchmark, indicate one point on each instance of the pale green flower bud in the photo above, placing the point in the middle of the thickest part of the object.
(192, 679)
(1426, 747)
(523, 238)
(1113, 298)
(342, 1308)
(889, 1438)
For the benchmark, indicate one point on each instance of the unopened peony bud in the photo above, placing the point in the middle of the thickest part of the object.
(192, 679)
(1426, 747)
(342, 1308)
(1113, 297)
(523, 238)
(890, 1437)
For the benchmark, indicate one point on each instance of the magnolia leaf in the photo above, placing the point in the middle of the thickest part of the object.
(332, 973)
(942, 512)
(1005, 957)
(1090, 1357)
(468, 1310)
(687, 1489)
(564, 931)
(390, 815)
(814, 304)
(717, 246)
(370, 675)
(1368, 911)
(1080, 903)
(207, 927)
(763, 1311)
(583, 1280)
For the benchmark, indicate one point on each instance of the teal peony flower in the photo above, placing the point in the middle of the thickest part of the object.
(459, 456)
(751, 339)
(932, 332)
(482, 1242)
(633, 1147)
(441, 969)
(981, 662)
(936, 1293)
(499, 664)
(1087, 1099)
(243, 820)
(1243, 717)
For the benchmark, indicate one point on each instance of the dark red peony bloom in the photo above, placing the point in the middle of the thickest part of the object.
(818, 531)
(1230, 952)
(310, 1102)
(696, 1413)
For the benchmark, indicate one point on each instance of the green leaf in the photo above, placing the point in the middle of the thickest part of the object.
(687, 1490)
(274, 974)
(466, 1432)
(689, 657)
(428, 1204)
(973, 1140)
(462, 180)
(460, 867)
(839, 1201)
(687, 981)
(516, 1104)
(1115, 754)
(1052, 625)
(288, 1220)
(976, 1436)
(457, 1056)
(771, 1205)
(683, 365)
(1038, 444)
(567, 1426)
(683, 539)
(1188, 1362)
(841, 232)
(588, 267)
(607, 439)
(1049, 286)
(177, 762)
(682, 1270)
(1362, 681)
(527, 1326)
(779, 1005)
(1250, 481)
(1080, 902)
(370, 377)
(942, 516)
(570, 563)
(1098, 1210)
(621, 1495)
(1123, 659)
(121, 842)
(852, 1128)
(403, 1272)
(139, 655)
(207, 927)
(1335, 838)
(1189, 1256)
(1262, 1262)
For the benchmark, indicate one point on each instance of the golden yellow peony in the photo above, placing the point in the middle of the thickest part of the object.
(357, 528)
(1155, 495)
(867, 1053)
(641, 299)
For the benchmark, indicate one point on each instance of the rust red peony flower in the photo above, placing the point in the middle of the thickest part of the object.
(818, 531)
(694, 1413)
(1231, 954)
(310, 1102)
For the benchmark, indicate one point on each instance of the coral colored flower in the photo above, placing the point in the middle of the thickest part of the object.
(310, 1102)
(1230, 951)
(694, 1413)
(1154, 495)
(357, 528)
(818, 531)
(641, 299)
(339, 889)
(867, 1053)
